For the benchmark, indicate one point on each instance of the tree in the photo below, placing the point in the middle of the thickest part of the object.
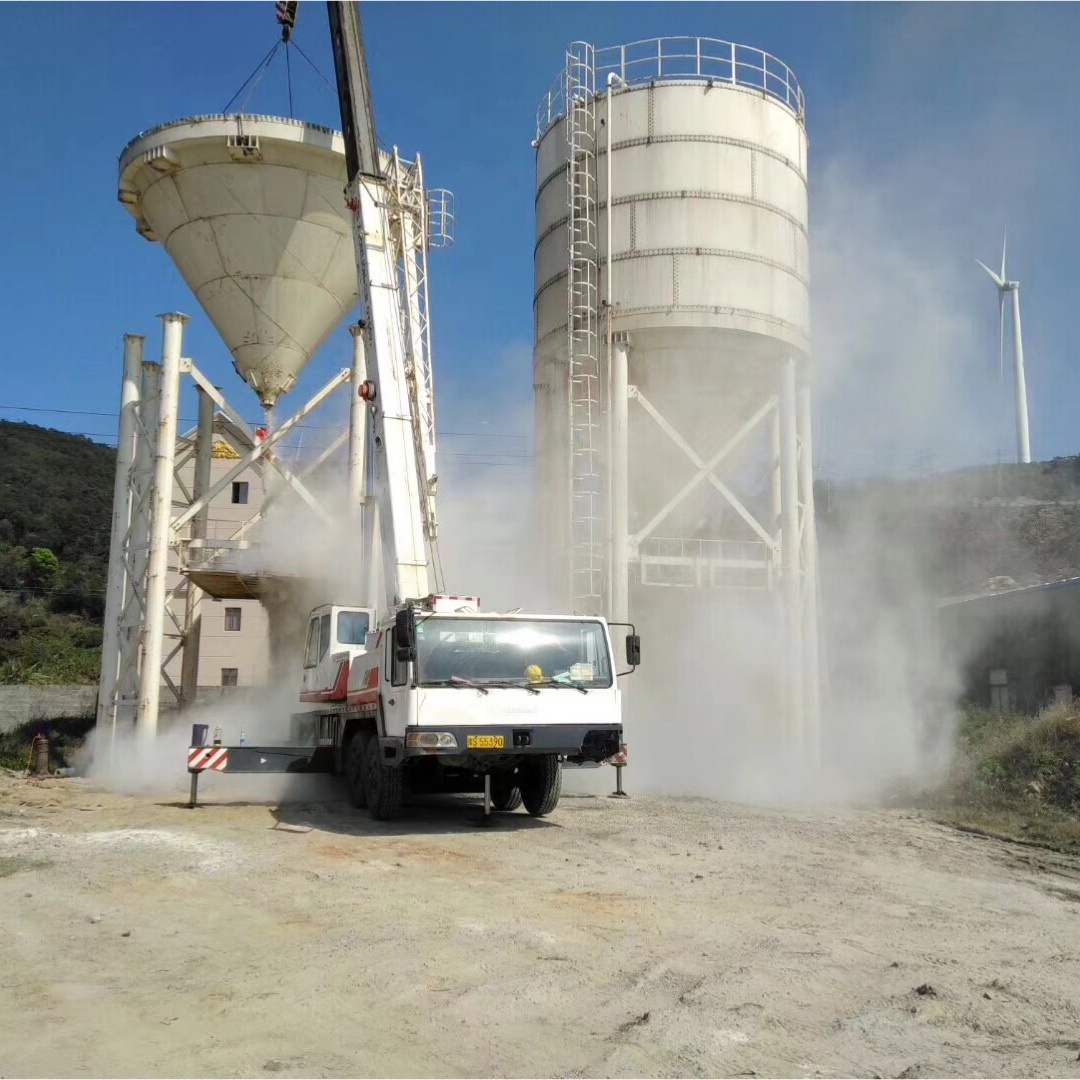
(42, 570)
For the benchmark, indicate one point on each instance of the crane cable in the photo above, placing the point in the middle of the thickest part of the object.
(285, 12)
(256, 75)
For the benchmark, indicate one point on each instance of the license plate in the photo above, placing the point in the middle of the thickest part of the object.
(485, 742)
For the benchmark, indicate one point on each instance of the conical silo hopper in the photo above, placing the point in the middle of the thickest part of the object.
(252, 211)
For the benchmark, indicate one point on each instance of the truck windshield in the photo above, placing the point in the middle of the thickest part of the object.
(517, 651)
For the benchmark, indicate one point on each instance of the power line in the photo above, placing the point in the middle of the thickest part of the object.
(298, 427)
(65, 412)
(510, 459)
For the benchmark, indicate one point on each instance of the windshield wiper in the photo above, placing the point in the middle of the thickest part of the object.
(457, 680)
(564, 685)
(516, 685)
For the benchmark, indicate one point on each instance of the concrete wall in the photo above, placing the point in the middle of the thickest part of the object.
(18, 704)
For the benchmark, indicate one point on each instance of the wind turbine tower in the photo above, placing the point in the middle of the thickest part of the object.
(1004, 286)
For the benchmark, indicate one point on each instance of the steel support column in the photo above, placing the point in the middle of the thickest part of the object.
(138, 538)
(204, 448)
(790, 568)
(121, 524)
(160, 521)
(619, 478)
(810, 626)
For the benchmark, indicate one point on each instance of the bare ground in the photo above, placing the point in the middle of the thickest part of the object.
(648, 937)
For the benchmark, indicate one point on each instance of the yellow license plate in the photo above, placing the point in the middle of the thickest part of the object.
(485, 742)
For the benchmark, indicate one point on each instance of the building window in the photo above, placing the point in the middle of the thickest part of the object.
(232, 618)
(229, 676)
(240, 491)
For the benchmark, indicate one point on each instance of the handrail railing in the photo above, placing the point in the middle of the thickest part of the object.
(661, 548)
(682, 59)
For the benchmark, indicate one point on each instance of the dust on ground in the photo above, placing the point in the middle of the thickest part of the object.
(654, 937)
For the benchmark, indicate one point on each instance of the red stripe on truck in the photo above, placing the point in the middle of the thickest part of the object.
(368, 694)
(338, 692)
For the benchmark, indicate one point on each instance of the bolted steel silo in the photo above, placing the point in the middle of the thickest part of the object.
(672, 337)
(250, 208)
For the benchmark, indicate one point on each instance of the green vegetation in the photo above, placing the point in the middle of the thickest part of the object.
(55, 512)
(1016, 776)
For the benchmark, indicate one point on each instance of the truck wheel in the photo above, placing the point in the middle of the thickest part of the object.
(384, 786)
(505, 793)
(541, 784)
(354, 771)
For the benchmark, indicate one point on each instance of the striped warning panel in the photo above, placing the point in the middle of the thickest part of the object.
(200, 758)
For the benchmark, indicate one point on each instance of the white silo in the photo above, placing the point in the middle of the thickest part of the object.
(672, 394)
(250, 209)
(253, 211)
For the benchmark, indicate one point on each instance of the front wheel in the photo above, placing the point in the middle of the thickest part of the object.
(541, 784)
(383, 785)
(505, 793)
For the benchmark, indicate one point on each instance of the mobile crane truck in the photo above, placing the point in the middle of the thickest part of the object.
(429, 691)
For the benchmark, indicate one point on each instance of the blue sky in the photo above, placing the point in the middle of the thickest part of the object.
(930, 126)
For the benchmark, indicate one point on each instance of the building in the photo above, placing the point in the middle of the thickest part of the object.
(1018, 647)
(233, 644)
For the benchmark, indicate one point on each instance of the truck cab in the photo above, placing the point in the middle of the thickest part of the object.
(447, 694)
(336, 636)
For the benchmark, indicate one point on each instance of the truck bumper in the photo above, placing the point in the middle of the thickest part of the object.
(576, 742)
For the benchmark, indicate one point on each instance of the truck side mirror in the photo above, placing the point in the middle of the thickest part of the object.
(633, 650)
(405, 635)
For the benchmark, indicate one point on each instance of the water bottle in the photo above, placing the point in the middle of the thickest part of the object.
(217, 734)
(243, 741)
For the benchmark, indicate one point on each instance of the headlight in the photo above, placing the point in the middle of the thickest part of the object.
(431, 740)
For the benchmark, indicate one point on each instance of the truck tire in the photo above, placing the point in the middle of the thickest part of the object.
(383, 785)
(505, 792)
(541, 784)
(354, 771)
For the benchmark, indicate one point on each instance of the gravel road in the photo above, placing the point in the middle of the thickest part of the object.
(646, 937)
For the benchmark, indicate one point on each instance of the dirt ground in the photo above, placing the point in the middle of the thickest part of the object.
(647, 937)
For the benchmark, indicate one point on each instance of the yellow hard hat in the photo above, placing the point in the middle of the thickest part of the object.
(534, 673)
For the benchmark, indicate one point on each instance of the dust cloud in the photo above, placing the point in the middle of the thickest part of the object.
(130, 765)
(303, 559)
(902, 384)
(899, 355)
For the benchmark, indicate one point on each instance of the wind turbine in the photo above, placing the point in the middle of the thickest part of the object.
(1023, 439)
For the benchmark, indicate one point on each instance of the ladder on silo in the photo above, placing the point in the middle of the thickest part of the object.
(583, 338)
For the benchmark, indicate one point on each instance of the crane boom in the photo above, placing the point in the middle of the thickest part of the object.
(386, 237)
(354, 90)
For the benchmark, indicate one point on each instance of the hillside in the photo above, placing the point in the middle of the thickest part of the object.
(55, 511)
(955, 530)
(949, 533)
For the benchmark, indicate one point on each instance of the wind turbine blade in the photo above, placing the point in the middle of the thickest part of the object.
(1004, 244)
(1001, 335)
(994, 277)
